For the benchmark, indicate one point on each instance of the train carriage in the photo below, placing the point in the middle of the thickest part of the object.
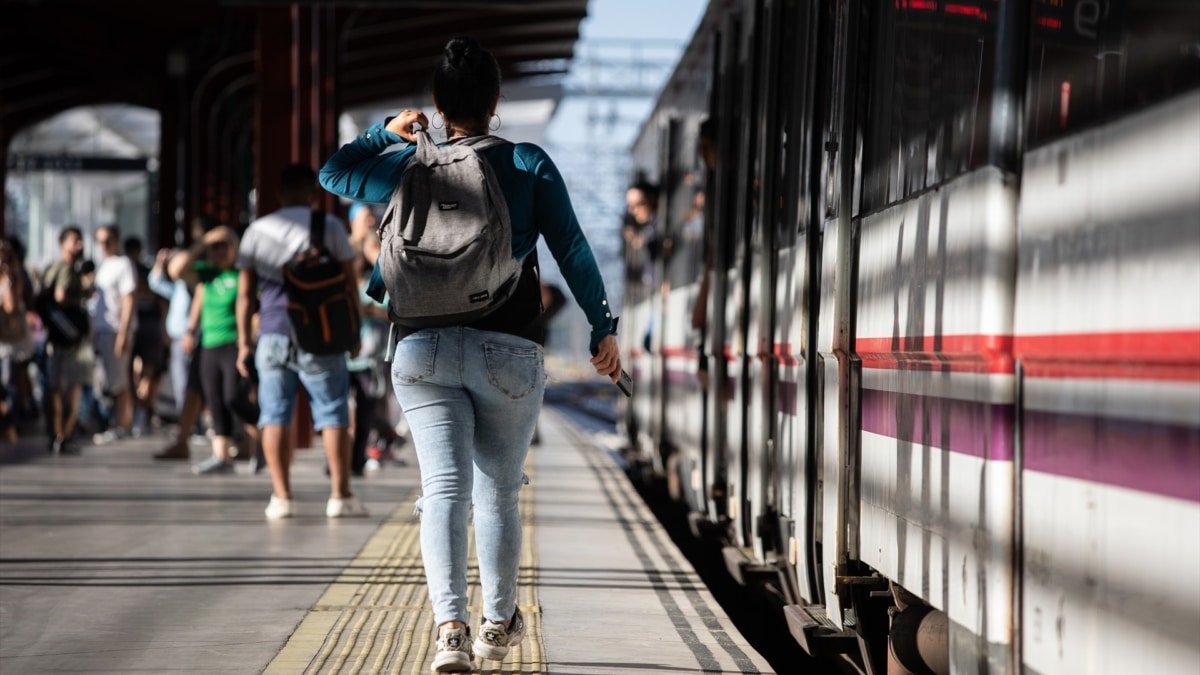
(950, 268)
(1107, 312)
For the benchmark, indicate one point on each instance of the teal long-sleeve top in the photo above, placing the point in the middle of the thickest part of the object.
(538, 204)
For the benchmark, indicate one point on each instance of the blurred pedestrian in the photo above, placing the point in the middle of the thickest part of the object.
(16, 342)
(214, 318)
(364, 239)
(641, 230)
(269, 244)
(369, 380)
(175, 277)
(69, 356)
(149, 355)
(188, 403)
(115, 321)
(26, 405)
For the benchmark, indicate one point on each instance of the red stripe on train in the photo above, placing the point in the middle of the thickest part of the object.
(1143, 355)
(680, 353)
(954, 353)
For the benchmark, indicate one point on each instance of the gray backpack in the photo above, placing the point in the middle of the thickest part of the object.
(445, 239)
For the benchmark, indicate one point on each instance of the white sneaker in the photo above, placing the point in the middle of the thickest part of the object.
(349, 507)
(494, 640)
(105, 437)
(453, 652)
(279, 508)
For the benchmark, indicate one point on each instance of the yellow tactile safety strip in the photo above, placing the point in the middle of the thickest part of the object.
(376, 617)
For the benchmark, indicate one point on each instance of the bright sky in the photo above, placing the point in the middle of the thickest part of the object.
(626, 20)
(675, 19)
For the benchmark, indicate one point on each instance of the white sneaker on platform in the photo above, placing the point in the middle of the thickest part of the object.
(279, 508)
(494, 640)
(348, 507)
(453, 652)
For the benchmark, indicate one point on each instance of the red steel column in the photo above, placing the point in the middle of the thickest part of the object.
(295, 115)
(277, 125)
(274, 106)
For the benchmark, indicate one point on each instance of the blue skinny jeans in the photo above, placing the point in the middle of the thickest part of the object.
(472, 400)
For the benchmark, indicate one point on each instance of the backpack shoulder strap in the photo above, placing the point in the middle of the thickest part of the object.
(316, 228)
(484, 142)
(427, 149)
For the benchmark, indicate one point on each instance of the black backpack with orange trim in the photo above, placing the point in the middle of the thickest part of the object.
(324, 316)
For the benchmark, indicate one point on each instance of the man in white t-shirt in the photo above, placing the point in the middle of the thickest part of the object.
(114, 321)
(269, 243)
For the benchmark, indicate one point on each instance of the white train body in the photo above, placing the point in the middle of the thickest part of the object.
(949, 363)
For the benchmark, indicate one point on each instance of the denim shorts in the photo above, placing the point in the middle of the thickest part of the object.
(282, 367)
(114, 373)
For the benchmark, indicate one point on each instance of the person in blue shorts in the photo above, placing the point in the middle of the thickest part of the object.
(269, 243)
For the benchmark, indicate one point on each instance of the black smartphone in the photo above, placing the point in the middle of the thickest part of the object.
(625, 383)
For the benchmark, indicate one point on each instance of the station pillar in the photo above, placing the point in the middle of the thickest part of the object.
(295, 117)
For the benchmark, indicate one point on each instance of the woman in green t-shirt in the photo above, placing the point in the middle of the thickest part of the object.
(214, 316)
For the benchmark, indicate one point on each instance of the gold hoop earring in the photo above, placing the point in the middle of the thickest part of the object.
(493, 128)
(438, 116)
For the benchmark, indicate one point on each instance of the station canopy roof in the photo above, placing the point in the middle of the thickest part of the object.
(112, 58)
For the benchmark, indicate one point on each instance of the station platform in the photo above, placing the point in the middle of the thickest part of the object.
(113, 562)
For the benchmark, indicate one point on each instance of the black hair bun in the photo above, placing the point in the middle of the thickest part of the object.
(462, 52)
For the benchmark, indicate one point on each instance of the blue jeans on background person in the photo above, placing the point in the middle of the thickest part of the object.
(281, 368)
(472, 400)
(8, 394)
(94, 413)
(178, 369)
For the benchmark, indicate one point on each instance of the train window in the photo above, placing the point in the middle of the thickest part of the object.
(730, 155)
(1095, 60)
(929, 94)
(686, 206)
(793, 114)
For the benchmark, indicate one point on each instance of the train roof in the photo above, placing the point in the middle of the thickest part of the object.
(687, 87)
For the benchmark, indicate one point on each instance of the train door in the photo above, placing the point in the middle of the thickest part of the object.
(720, 230)
(1107, 334)
(661, 334)
(638, 321)
(793, 485)
(742, 288)
(681, 214)
(725, 343)
(767, 208)
(935, 218)
(835, 383)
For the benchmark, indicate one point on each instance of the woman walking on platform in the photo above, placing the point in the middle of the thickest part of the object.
(472, 393)
(213, 318)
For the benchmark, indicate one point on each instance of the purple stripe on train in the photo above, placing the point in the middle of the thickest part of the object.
(683, 379)
(786, 392)
(969, 427)
(1162, 459)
